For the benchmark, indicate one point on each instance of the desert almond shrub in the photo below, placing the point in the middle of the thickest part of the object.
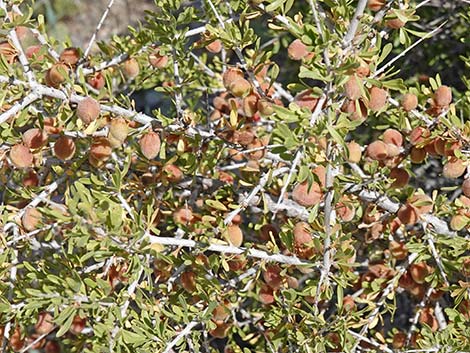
(293, 190)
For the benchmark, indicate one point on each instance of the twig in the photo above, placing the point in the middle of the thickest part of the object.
(97, 29)
(361, 6)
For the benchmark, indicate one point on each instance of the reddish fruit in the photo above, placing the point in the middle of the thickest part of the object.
(349, 107)
(272, 276)
(16, 342)
(378, 98)
(245, 138)
(96, 80)
(427, 317)
(20, 156)
(454, 168)
(377, 150)
(183, 215)
(419, 272)
(320, 172)
(173, 173)
(70, 56)
(265, 107)
(220, 313)
(345, 209)
(57, 74)
(392, 150)
(408, 214)
(417, 155)
(250, 105)
(158, 60)
(440, 146)
(31, 219)
(52, 347)
(305, 99)
(64, 148)
(399, 340)
(34, 138)
(31, 179)
(231, 75)
(375, 5)
(354, 152)
(423, 203)
(297, 50)
(118, 131)
(266, 295)
(267, 231)
(188, 281)
(418, 135)
(306, 196)
(401, 177)
(349, 304)
(394, 23)
(466, 187)
(409, 102)
(398, 250)
(363, 70)
(214, 47)
(131, 68)
(302, 241)
(8, 51)
(234, 235)
(100, 149)
(150, 145)
(45, 323)
(443, 96)
(393, 136)
(78, 324)
(88, 110)
(352, 88)
(221, 331)
(240, 87)
(459, 222)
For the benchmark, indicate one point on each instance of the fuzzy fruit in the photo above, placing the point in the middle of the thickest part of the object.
(409, 102)
(398, 250)
(394, 23)
(20, 156)
(401, 177)
(131, 68)
(302, 241)
(297, 50)
(306, 196)
(221, 331)
(354, 152)
(34, 138)
(240, 87)
(375, 5)
(173, 173)
(100, 149)
(183, 215)
(417, 155)
(408, 214)
(64, 148)
(88, 110)
(393, 136)
(306, 99)
(250, 105)
(419, 271)
(458, 222)
(399, 340)
(352, 88)
(45, 323)
(57, 74)
(234, 235)
(231, 75)
(70, 56)
(266, 295)
(150, 145)
(214, 47)
(377, 150)
(272, 276)
(427, 317)
(466, 187)
(188, 281)
(267, 231)
(443, 96)
(418, 135)
(378, 98)
(31, 219)
(423, 203)
(8, 51)
(345, 209)
(96, 80)
(158, 60)
(118, 131)
(454, 168)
